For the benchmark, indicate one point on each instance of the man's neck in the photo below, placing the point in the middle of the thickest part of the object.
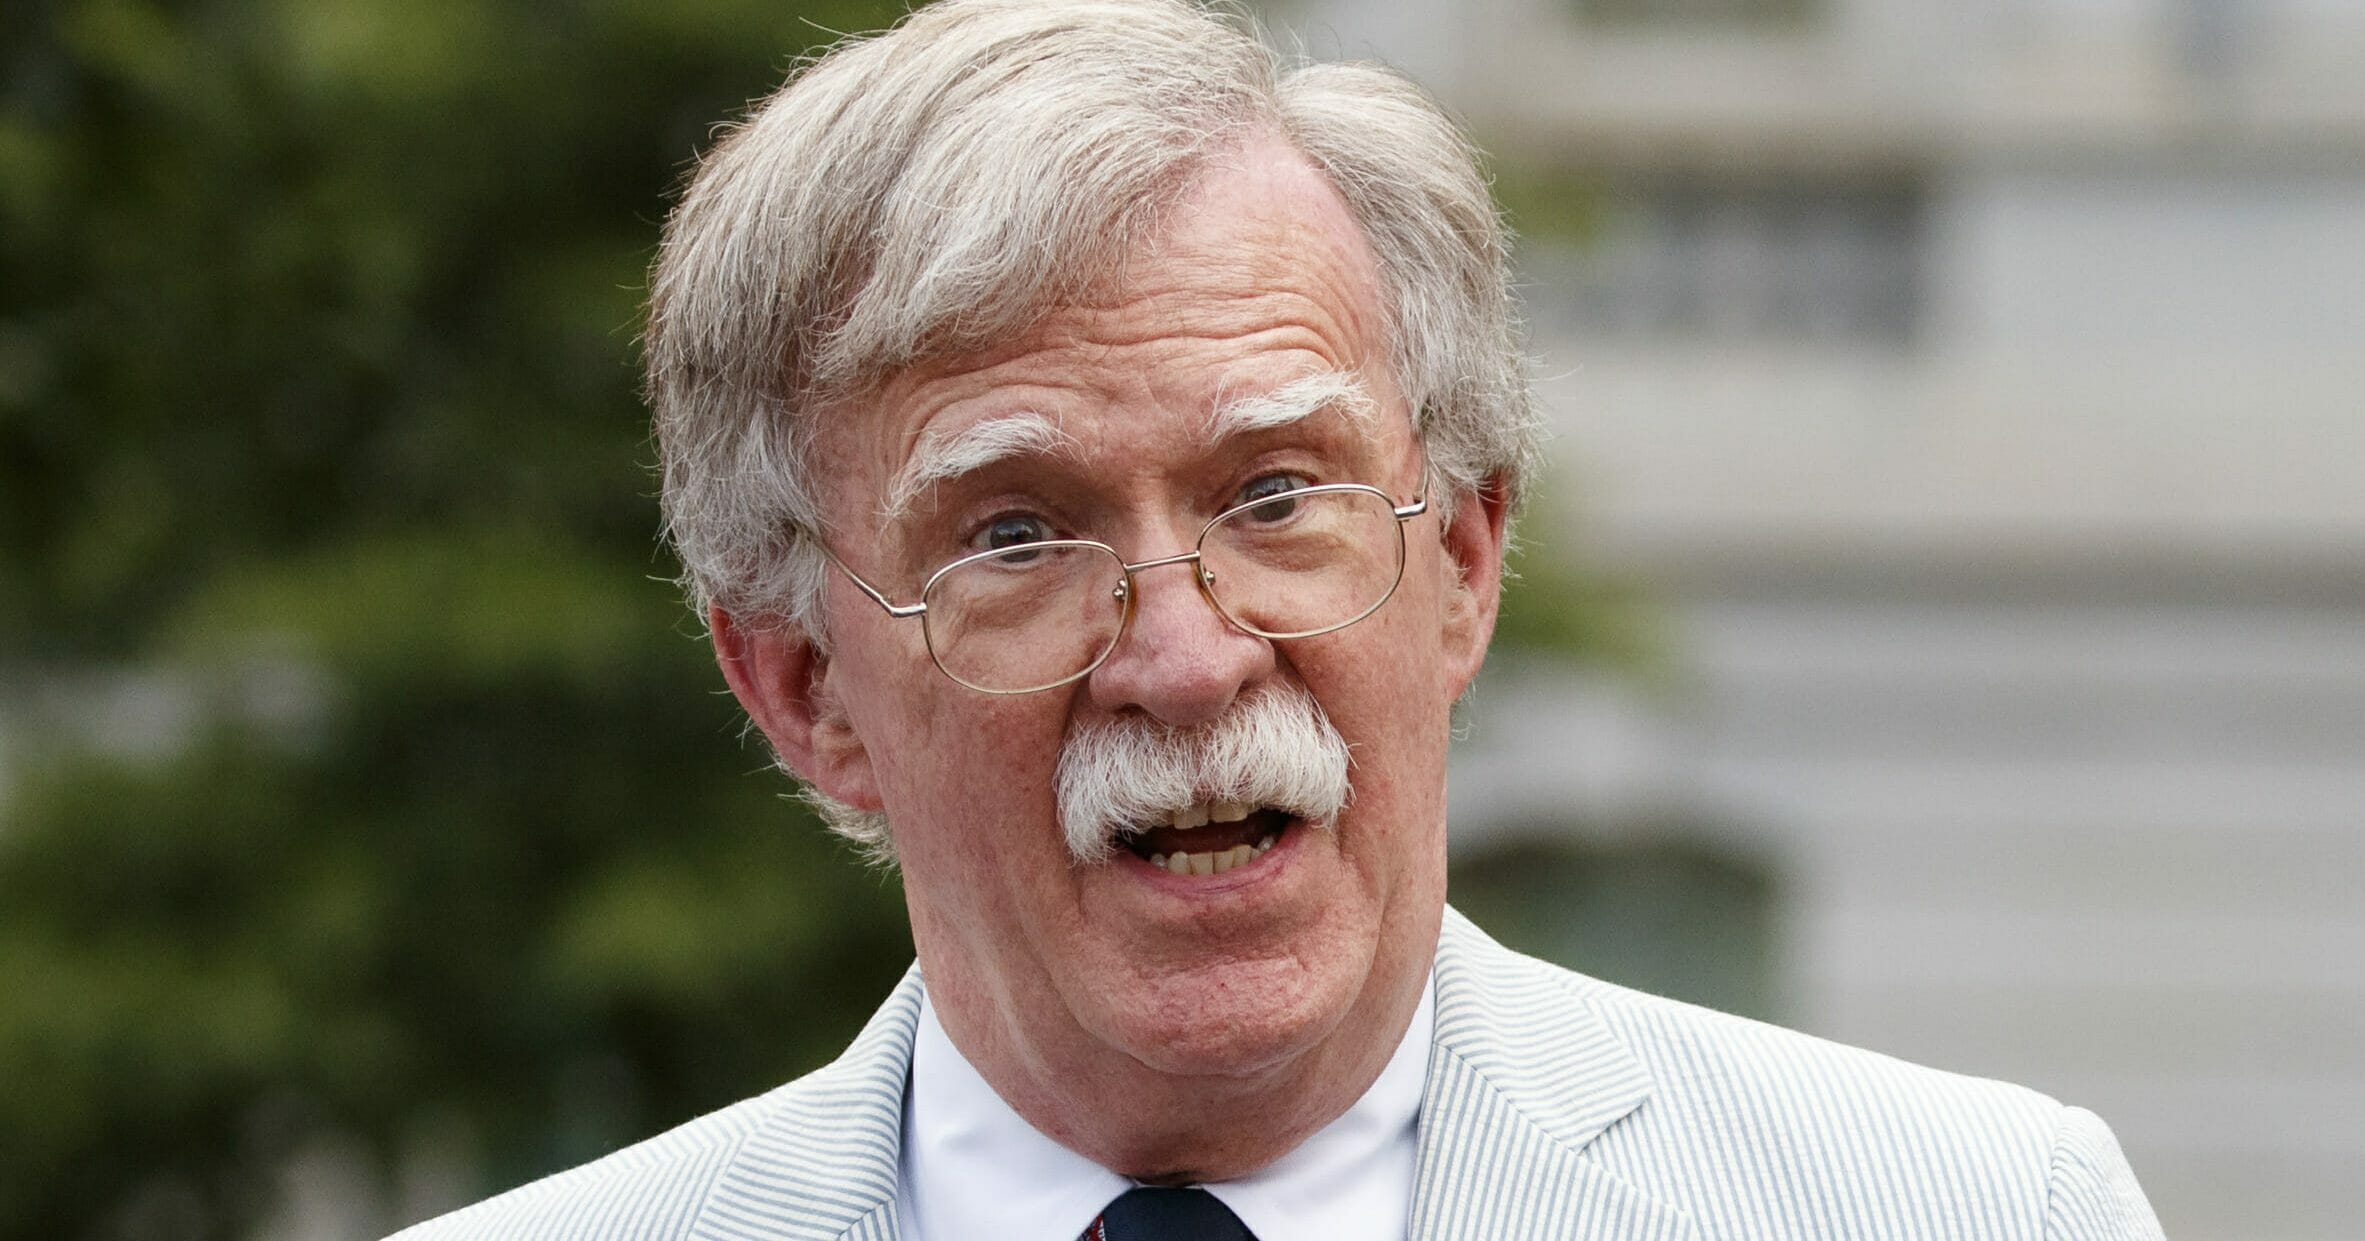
(1163, 1128)
(971, 1166)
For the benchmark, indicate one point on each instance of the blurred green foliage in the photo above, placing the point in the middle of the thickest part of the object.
(1661, 910)
(318, 411)
(1562, 606)
(1549, 203)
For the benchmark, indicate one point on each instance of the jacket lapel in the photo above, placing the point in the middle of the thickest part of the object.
(822, 1165)
(1523, 1074)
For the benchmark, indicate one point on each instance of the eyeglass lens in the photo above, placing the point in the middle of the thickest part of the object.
(1032, 616)
(1295, 566)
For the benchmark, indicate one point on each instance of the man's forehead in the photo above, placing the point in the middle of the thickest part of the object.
(1255, 279)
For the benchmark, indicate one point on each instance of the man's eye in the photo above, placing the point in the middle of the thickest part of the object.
(1271, 485)
(1012, 532)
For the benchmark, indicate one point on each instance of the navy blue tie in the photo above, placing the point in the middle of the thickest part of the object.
(1155, 1214)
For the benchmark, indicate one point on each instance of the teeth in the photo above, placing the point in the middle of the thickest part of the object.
(1200, 815)
(1211, 863)
(1210, 812)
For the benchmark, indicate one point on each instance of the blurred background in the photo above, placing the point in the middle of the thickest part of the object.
(1943, 627)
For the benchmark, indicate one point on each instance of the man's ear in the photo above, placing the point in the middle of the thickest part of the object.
(1474, 557)
(782, 681)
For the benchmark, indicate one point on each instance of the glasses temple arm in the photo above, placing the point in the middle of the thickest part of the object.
(1420, 501)
(897, 610)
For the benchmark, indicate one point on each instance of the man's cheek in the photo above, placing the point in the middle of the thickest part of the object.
(984, 764)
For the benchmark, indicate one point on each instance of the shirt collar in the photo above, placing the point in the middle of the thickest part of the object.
(972, 1167)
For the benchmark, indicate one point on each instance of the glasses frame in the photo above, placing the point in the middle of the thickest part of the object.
(1125, 590)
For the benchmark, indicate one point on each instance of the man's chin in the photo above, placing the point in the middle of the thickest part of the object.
(1239, 1014)
(1219, 1036)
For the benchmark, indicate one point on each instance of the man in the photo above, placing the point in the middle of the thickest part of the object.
(1090, 442)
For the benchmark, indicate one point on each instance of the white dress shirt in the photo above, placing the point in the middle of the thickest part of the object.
(972, 1167)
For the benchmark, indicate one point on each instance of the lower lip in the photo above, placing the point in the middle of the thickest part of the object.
(1266, 865)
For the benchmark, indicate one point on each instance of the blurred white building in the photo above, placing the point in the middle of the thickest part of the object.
(1982, 383)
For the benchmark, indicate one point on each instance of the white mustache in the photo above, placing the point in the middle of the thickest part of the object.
(1274, 748)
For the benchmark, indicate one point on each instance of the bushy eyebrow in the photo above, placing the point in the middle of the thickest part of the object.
(940, 458)
(1294, 401)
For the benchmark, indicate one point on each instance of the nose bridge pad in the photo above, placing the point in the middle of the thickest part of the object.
(1205, 577)
(1201, 576)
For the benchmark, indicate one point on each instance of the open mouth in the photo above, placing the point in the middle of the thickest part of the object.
(1209, 838)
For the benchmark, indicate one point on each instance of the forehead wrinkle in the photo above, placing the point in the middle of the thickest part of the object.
(940, 457)
(1293, 402)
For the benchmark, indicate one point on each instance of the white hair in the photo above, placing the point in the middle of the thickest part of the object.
(1297, 399)
(1273, 747)
(938, 188)
(940, 456)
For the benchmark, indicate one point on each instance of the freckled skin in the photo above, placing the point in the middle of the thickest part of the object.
(1169, 1038)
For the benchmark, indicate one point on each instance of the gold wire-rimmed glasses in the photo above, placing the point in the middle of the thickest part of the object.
(1036, 616)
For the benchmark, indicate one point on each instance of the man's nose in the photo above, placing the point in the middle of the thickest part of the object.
(1180, 660)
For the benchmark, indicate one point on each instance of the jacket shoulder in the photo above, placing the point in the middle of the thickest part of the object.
(1711, 1068)
(1812, 1137)
(1746, 1070)
(1760, 1131)
(652, 1188)
(810, 1157)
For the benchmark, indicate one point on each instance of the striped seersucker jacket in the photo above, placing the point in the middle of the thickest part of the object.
(1557, 1106)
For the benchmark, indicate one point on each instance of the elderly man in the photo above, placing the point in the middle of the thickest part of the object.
(1090, 441)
